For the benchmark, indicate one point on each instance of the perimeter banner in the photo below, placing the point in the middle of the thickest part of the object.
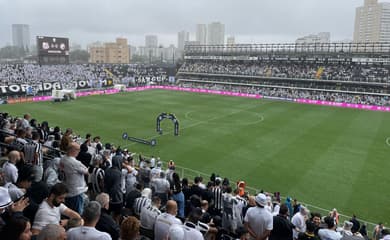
(36, 88)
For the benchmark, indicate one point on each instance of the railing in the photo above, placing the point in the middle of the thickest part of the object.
(290, 48)
(191, 174)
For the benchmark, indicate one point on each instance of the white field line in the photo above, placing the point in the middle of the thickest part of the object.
(201, 122)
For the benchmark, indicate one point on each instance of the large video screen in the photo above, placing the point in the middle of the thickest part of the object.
(53, 46)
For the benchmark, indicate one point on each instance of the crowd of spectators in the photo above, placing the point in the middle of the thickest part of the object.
(56, 185)
(314, 85)
(130, 74)
(33, 73)
(340, 82)
(291, 70)
(292, 93)
(97, 191)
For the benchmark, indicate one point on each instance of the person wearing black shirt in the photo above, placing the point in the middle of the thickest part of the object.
(282, 227)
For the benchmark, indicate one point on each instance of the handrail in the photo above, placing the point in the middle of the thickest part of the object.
(188, 172)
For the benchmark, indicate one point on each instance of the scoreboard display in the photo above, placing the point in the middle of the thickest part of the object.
(53, 45)
(53, 50)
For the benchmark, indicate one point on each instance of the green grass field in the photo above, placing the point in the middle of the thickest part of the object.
(328, 157)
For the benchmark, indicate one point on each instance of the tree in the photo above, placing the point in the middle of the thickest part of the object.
(80, 56)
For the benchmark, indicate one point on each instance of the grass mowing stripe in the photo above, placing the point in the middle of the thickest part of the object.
(291, 137)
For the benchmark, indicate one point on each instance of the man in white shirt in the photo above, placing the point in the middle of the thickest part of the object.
(161, 187)
(330, 232)
(148, 217)
(51, 209)
(258, 220)
(155, 172)
(190, 227)
(299, 221)
(74, 172)
(88, 231)
(9, 169)
(25, 122)
(165, 220)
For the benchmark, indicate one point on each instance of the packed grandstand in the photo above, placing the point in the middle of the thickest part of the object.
(127, 195)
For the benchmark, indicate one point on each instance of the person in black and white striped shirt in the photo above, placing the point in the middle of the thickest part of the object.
(217, 198)
(33, 155)
(142, 202)
(148, 217)
(96, 176)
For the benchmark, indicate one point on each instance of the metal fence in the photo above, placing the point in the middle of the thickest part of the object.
(191, 174)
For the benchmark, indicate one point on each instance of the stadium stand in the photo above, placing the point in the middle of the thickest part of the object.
(328, 72)
(154, 199)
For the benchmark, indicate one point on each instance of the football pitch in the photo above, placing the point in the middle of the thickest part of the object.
(328, 157)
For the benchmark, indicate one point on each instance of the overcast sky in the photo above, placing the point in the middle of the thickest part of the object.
(250, 21)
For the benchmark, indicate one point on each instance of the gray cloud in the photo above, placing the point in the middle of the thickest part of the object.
(86, 21)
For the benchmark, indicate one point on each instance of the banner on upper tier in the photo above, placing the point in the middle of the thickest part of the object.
(23, 89)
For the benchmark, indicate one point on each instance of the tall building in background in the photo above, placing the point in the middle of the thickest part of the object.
(111, 52)
(372, 22)
(182, 38)
(21, 35)
(151, 41)
(201, 34)
(322, 37)
(230, 41)
(216, 33)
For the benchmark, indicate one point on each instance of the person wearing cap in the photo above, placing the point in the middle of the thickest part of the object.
(299, 221)
(258, 220)
(10, 209)
(346, 231)
(5, 201)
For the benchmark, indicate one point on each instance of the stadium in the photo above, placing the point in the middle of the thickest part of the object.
(295, 121)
